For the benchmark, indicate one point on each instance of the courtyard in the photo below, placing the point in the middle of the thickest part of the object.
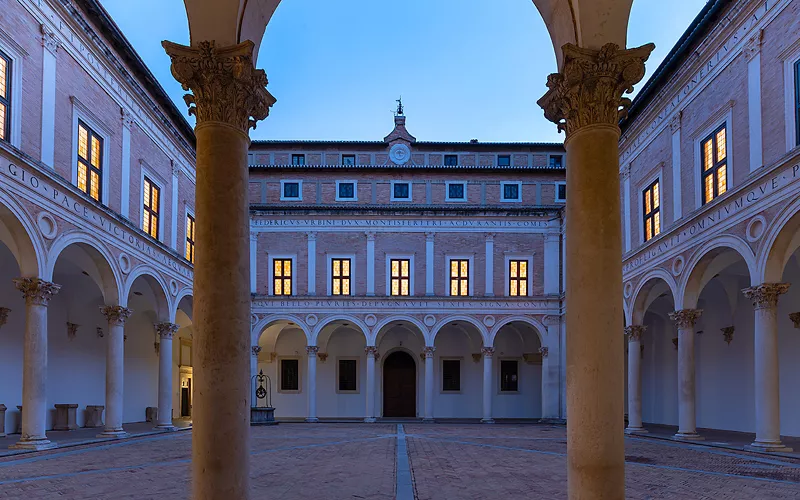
(352, 461)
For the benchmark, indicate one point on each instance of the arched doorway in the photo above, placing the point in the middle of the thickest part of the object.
(399, 385)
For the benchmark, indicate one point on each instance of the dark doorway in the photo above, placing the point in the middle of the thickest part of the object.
(186, 406)
(399, 385)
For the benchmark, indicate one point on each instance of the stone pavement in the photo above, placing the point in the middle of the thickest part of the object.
(359, 461)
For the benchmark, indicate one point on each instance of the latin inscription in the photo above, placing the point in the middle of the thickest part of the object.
(426, 223)
(423, 304)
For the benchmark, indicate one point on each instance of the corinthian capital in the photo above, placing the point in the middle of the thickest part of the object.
(116, 315)
(685, 318)
(634, 332)
(589, 89)
(36, 291)
(766, 295)
(166, 330)
(225, 85)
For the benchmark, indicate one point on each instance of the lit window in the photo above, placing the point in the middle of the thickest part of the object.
(503, 160)
(290, 190)
(797, 102)
(190, 229)
(561, 192)
(5, 97)
(511, 191)
(401, 277)
(451, 375)
(451, 160)
(715, 165)
(282, 276)
(348, 159)
(651, 210)
(90, 161)
(401, 191)
(290, 375)
(346, 191)
(518, 278)
(340, 276)
(151, 208)
(556, 161)
(459, 278)
(456, 191)
(298, 159)
(509, 375)
(348, 375)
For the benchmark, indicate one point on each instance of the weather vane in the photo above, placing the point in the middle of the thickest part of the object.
(399, 106)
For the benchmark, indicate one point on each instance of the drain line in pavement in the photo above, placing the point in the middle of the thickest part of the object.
(405, 487)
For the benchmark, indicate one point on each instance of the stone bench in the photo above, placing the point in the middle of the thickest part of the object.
(66, 419)
(94, 416)
(2, 420)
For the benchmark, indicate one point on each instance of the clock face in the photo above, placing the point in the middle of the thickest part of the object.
(400, 154)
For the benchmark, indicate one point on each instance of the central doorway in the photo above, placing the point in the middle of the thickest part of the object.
(399, 385)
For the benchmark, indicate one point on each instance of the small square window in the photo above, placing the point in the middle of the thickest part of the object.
(556, 161)
(451, 375)
(504, 160)
(298, 159)
(348, 159)
(346, 191)
(561, 191)
(509, 375)
(401, 191)
(290, 375)
(451, 160)
(511, 191)
(291, 190)
(348, 375)
(456, 191)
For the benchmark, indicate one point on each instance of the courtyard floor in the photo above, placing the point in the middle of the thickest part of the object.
(386, 461)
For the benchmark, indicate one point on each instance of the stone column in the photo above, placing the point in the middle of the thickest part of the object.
(429, 264)
(228, 97)
(115, 369)
(165, 332)
(551, 356)
(752, 53)
(37, 294)
(585, 99)
(488, 354)
(429, 371)
(372, 353)
(767, 372)
(312, 351)
(634, 333)
(687, 417)
(626, 205)
(51, 44)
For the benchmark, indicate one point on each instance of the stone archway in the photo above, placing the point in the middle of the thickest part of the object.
(399, 385)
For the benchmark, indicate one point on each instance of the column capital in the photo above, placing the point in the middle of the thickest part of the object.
(255, 350)
(253, 236)
(487, 351)
(428, 351)
(490, 237)
(116, 315)
(635, 332)
(685, 318)
(176, 168)
(166, 330)
(795, 317)
(50, 40)
(36, 291)
(127, 117)
(753, 45)
(312, 235)
(429, 236)
(675, 123)
(312, 350)
(765, 296)
(226, 87)
(544, 351)
(589, 88)
(372, 351)
(370, 235)
(625, 173)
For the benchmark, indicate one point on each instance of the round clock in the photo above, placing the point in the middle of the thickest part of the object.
(400, 154)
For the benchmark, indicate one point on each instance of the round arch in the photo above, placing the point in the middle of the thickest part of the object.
(460, 317)
(258, 329)
(779, 243)
(186, 292)
(642, 293)
(156, 284)
(376, 331)
(537, 326)
(332, 319)
(17, 232)
(703, 260)
(107, 275)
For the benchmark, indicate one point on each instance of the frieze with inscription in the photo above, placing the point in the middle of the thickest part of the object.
(372, 305)
(409, 223)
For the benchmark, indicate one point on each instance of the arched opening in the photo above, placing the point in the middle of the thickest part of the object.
(182, 371)
(283, 359)
(399, 385)
(404, 334)
(457, 391)
(341, 369)
(518, 360)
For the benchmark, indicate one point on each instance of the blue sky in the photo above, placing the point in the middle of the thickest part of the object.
(467, 69)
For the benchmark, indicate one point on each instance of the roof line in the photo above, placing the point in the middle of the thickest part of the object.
(413, 167)
(558, 145)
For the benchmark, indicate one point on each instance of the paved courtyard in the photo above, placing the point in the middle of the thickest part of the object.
(359, 461)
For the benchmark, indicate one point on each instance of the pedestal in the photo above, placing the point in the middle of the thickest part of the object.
(94, 416)
(65, 417)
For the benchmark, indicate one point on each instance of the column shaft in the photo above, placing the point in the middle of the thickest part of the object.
(634, 380)
(312, 383)
(370, 264)
(488, 355)
(429, 379)
(165, 332)
(490, 265)
(371, 351)
(115, 369)
(551, 361)
(429, 264)
(687, 424)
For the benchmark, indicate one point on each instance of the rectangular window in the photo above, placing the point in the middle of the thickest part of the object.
(401, 277)
(459, 278)
(451, 160)
(509, 375)
(189, 254)
(451, 375)
(797, 102)
(556, 161)
(715, 164)
(348, 159)
(401, 191)
(651, 211)
(561, 192)
(518, 278)
(346, 191)
(90, 162)
(290, 375)
(503, 160)
(298, 159)
(282, 276)
(5, 97)
(511, 191)
(340, 276)
(291, 190)
(456, 191)
(348, 375)
(151, 208)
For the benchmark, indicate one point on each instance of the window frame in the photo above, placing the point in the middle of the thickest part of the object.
(186, 239)
(147, 176)
(447, 197)
(470, 274)
(796, 67)
(81, 113)
(522, 258)
(500, 390)
(460, 360)
(299, 389)
(791, 62)
(446, 156)
(410, 191)
(389, 259)
(504, 156)
(645, 216)
(557, 198)
(16, 54)
(358, 374)
(714, 170)
(271, 274)
(348, 155)
(299, 190)
(355, 190)
(301, 156)
(550, 159)
(8, 100)
(503, 185)
(330, 258)
(722, 117)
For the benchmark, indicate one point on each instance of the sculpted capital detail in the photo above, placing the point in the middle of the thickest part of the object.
(634, 332)
(166, 330)
(225, 85)
(116, 315)
(589, 88)
(36, 291)
(685, 318)
(766, 295)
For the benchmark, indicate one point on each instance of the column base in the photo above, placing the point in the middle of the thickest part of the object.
(165, 427)
(110, 434)
(370, 420)
(33, 445)
(636, 430)
(688, 436)
(487, 421)
(312, 420)
(428, 420)
(768, 447)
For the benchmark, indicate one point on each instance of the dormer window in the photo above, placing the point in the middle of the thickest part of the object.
(451, 160)
(298, 160)
(348, 160)
(503, 160)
